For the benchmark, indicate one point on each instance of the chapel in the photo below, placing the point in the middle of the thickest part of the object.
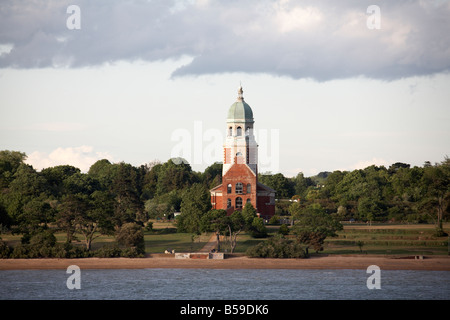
(240, 166)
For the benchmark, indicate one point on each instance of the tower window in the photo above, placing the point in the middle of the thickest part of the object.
(230, 131)
(228, 203)
(238, 131)
(249, 188)
(238, 203)
(229, 188)
(247, 131)
(239, 188)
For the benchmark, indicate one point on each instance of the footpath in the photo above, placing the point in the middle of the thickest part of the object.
(211, 244)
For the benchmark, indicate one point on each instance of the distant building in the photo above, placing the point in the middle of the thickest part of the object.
(240, 166)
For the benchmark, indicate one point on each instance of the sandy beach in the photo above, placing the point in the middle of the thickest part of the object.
(438, 263)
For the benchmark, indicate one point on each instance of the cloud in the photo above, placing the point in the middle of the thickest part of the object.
(80, 157)
(322, 40)
(367, 163)
(58, 126)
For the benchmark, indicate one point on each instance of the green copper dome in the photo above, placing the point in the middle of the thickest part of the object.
(240, 110)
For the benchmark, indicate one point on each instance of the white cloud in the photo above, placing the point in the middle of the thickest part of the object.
(58, 126)
(367, 163)
(298, 18)
(80, 157)
(308, 39)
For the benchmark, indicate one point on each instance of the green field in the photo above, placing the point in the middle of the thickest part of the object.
(418, 239)
(384, 239)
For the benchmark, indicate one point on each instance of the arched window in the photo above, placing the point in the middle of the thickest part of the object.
(238, 131)
(249, 188)
(239, 188)
(228, 203)
(247, 131)
(248, 200)
(230, 131)
(238, 203)
(229, 188)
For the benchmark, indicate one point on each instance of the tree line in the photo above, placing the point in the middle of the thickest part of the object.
(399, 193)
(119, 199)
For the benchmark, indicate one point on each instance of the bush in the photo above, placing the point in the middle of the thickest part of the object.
(131, 235)
(108, 252)
(20, 251)
(284, 229)
(5, 250)
(258, 229)
(277, 247)
(274, 220)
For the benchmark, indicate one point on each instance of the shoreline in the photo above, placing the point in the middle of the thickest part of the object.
(429, 263)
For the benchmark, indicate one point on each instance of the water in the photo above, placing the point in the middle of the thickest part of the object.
(213, 284)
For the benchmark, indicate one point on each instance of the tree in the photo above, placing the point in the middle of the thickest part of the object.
(212, 176)
(124, 186)
(56, 177)
(370, 209)
(26, 186)
(314, 225)
(174, 174)
(70, 208)
(195, 203)
(236, 224)
(437, 187)
(284, 229)
(131, 235)
(103, 171)
(282, 185)
(253, 224)
(10, 161)
(214, 221)
(90, 216)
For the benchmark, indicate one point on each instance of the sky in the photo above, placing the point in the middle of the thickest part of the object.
(333, 85)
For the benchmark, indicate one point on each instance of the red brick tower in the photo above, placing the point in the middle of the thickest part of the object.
(240, 166)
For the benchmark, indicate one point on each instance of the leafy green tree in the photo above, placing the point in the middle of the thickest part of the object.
(214, 221)
(278, 247)
(236, 224)
(71, 206)
(212, 176)
(132, 235)
(27, 185)
(173, 175)
(282, 185)
(10, 162)
(284, 229)
(370, 209)
(195, 203)
(56, 177)
(89, 216)
(301, 184)
(258, 228)
(128, 206)
(436, 180)
(295, 210)
(314, 225)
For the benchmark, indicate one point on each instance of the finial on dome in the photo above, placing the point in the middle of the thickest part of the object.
(240, 93)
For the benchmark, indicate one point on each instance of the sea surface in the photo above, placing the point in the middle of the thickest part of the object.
(217, 284)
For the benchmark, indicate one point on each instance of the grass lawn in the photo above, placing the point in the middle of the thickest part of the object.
(180, 242)
(416, 239)
(376, 239)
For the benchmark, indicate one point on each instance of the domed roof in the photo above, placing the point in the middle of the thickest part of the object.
(240, 110)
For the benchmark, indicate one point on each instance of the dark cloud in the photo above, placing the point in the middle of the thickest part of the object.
(300, 39)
